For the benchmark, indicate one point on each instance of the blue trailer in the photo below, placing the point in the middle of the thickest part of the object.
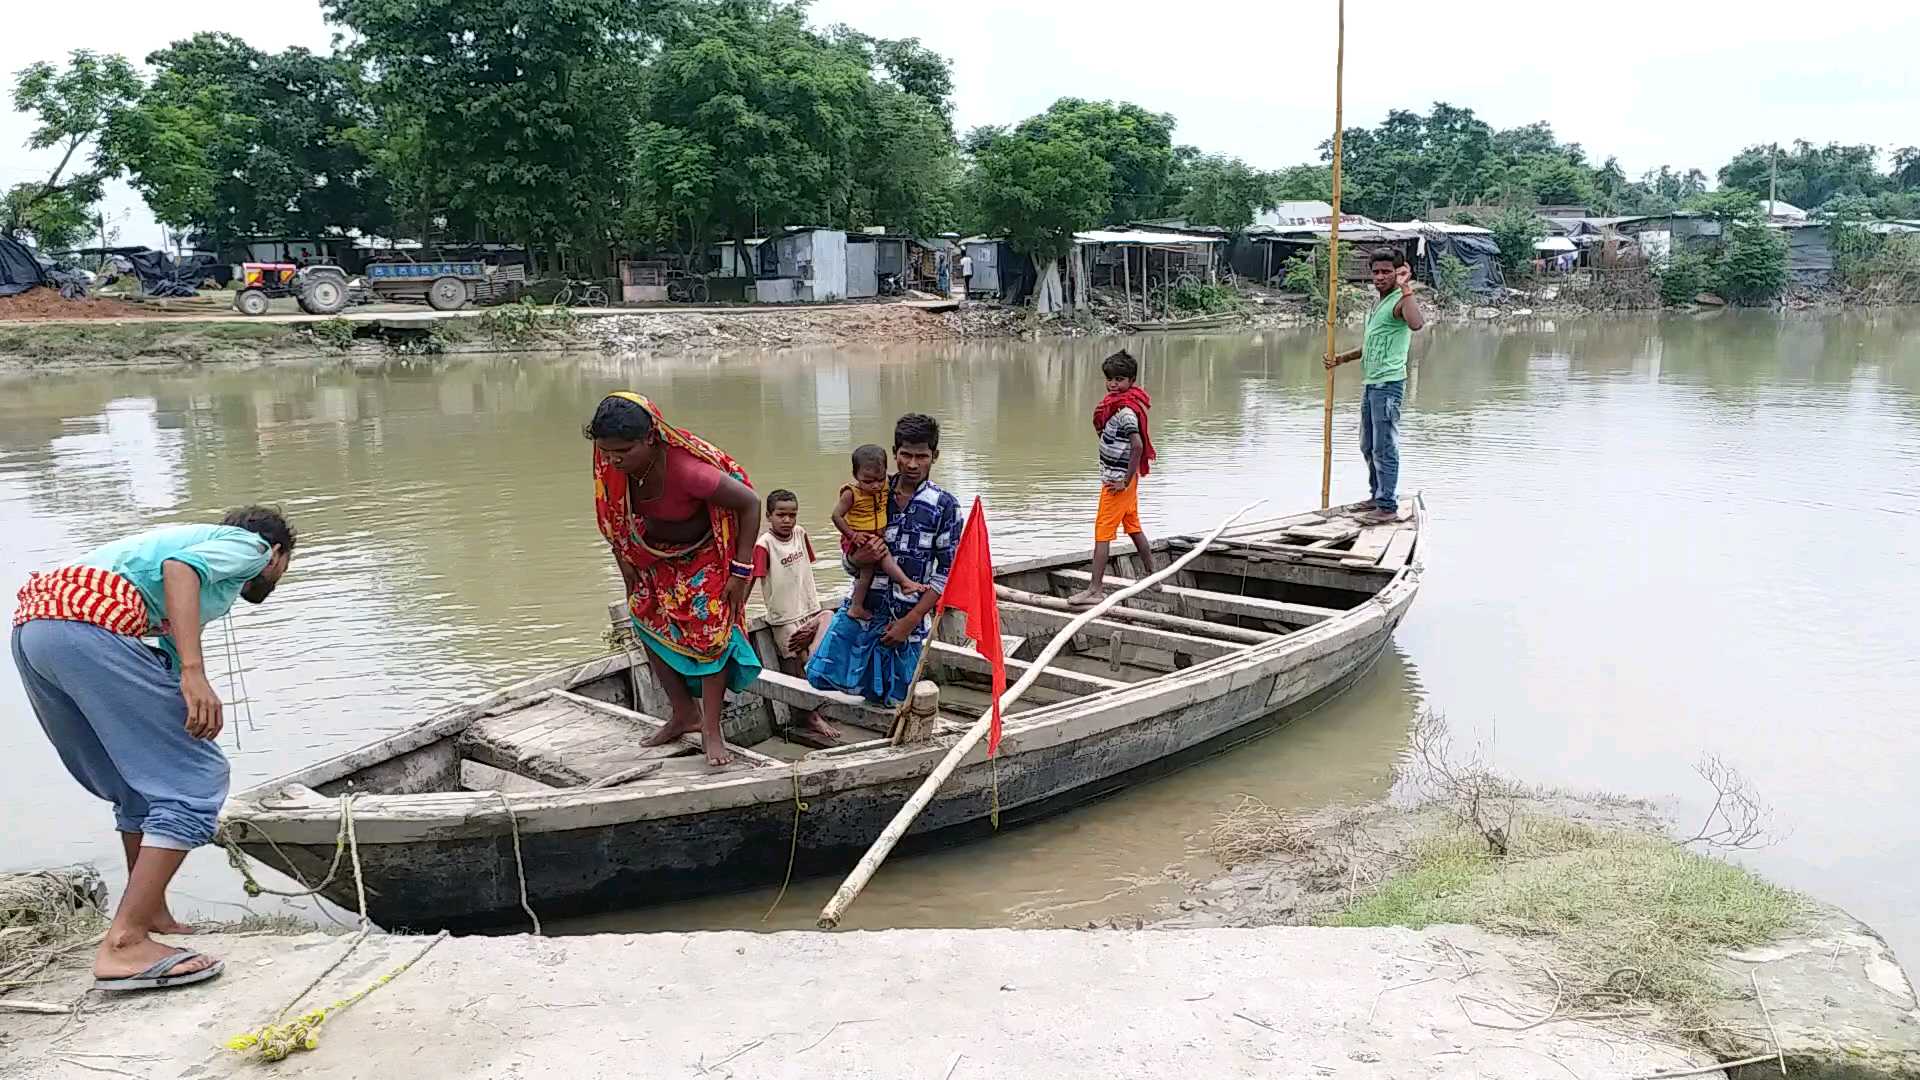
(448, 285)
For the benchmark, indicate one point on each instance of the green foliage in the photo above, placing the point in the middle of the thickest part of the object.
(1752, 268)
(1038, 191)
(335, 333)
(1685, 274)
(1451, 278)
(1727, 205)
(1198, 297)
(52, 222)
(519, 106)
(1515, 229)
(1223, 192)
(1808, 175)
(233, 141)
(1302, 182)
(71, 108)
(1308, 274)
(1136, 145)
(526, 322)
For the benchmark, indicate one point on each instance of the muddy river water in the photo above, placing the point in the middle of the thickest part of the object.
(1651, 538)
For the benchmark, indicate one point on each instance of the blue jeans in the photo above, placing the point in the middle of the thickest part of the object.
(113, 711)
(1380, 440)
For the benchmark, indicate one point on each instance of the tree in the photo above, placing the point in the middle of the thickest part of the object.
(1727, 205)
(1136, 145)
(71, 108)
(1223, 192)
(747, 117)
(1752, 268)
(905, 161)
(522, 105)
(232, 141)
(1808, 175)
(1906, 168)
(1039, 191)
(50, 223)
(1303, 182)
(1515, 229)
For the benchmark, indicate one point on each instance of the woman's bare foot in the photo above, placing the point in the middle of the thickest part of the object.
(716, 746)
(1087, 598)
(680, 724)
(129, 956)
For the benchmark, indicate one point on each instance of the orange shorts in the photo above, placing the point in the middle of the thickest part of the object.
(1117, 512)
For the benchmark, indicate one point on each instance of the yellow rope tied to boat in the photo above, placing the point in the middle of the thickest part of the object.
(278, 1039)
(280, 1036)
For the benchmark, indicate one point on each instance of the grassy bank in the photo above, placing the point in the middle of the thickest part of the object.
(1634, 917)
(156, 342)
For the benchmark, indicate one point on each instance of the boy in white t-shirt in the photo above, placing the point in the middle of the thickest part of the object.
(783, 565)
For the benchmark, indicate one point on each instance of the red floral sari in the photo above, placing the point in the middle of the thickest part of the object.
(679, 599)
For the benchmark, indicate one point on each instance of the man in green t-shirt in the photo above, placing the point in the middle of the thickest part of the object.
(1390, 327)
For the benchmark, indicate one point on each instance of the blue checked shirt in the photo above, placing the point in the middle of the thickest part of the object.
(923, 539)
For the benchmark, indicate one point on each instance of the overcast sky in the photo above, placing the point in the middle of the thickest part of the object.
(1686, 85)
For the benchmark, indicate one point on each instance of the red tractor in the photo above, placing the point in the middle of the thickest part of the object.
(320, 290)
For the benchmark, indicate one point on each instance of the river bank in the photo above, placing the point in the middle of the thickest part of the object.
(1355, 994)
(106, 337)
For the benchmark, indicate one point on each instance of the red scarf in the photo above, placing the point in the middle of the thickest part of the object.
(1131, 398)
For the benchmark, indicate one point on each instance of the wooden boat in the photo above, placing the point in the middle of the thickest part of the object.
(547, 778)
(1194, 322)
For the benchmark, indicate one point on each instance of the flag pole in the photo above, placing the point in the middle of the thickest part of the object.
(897, 828)
(1333, 261)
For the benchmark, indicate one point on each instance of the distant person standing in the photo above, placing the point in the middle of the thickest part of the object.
(1390, 327)
(1120, 423)
(966, 277)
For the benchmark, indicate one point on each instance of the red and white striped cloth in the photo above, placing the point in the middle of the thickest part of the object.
(84, 594)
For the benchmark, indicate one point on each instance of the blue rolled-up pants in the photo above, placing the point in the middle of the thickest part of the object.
(1380, 440)
(112, 709)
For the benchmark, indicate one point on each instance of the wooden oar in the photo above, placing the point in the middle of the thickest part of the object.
(897, 828)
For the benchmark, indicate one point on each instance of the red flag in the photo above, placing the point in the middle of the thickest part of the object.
(970, 591)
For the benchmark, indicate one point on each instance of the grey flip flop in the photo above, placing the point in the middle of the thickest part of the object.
(156, 977)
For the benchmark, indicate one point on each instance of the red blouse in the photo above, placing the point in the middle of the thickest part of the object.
(690, 482)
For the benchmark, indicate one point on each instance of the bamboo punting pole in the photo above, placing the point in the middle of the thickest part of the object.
(897, 828)
(1333, 261)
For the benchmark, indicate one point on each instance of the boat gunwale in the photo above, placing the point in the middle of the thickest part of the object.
(405, 818)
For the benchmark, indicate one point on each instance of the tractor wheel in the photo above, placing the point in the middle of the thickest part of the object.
(323, 295)
(447, 294)
(250, 302)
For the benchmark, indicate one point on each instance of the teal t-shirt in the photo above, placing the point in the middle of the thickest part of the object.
(226, 559)
(1383, 355)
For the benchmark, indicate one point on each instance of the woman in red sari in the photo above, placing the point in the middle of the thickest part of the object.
(682, 523)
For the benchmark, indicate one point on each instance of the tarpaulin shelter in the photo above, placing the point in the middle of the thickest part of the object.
(19, 270)
(1471, 244)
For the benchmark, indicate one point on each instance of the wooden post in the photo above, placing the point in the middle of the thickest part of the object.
(1126, 276)
(897, 828)
(1333, 260)
(923, 710)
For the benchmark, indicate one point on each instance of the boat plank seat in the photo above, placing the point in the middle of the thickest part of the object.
(1296, 553)
(795, 693)
(1103, 632)
(1278, 611)
(565, 740)
(1159, 619)
(1399, 548)
(1370, 545)
(1053, 678)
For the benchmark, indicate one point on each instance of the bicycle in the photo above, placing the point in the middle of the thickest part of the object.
(580, 294)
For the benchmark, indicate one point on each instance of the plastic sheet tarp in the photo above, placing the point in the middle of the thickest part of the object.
(19, 270)
(1480, 253)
